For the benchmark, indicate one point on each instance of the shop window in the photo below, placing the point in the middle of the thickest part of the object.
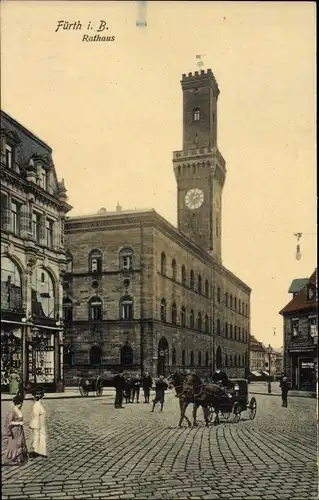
(42, 294)
(11, 290)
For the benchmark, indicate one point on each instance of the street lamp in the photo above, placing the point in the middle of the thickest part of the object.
(269, 351)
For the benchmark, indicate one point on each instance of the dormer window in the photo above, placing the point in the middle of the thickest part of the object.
(42, 178)
(295, 327)
(196, 114)
(311, 293)
(9, 152)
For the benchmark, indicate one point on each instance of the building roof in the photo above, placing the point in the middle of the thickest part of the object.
(256, 345)
(147, 217)
(297, 285)
(300, 301)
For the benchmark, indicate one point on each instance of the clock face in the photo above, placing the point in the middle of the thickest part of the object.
(194, 198)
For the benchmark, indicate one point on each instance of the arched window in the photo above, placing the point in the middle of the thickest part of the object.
(95, 309)
(239, 306)
(163, 310)
(218, 326)
(11, 290)
(69, 262)
(243, 308)
(196, 114)
(191, 319)
(126, 354)
(191, 280)
(199, 358)
(199, 284)
(95, 262)
(183, 275)
(126, 307)
(226, 330)
(226, 299)
(226, 360)
(174, 356)
(67, 310)
(95, 355)
(192, 358)
(235, 332)
(199, 321)
(126, 259)
(183, 316)
(174, 313)
(163, 263)
(235, 360)
(42, 294)
(206, 358)
(219, 358)
(218, 294)
(231, 331)
(174, 269)
(183, 358)
(231, 301)
(206, 324)
(206, 288)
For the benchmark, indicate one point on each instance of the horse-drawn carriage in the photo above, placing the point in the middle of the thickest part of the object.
(236, 402)
(91, 384)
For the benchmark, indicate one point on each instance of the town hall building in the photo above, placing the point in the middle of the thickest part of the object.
(141, 294)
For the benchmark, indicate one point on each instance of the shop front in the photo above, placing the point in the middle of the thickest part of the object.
(32, 353)
(303, 370)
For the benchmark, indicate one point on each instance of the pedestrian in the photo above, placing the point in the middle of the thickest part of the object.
(136, 388)
(119, 384)
(17, 453)
(147, 385)
(14, 380)
(128, 389)
(160, 388)
(284, 386)
(38, 426)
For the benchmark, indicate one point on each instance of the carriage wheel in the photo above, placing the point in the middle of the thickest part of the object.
(252, 408)
(236, 411)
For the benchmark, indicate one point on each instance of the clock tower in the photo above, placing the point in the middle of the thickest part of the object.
(199, 168)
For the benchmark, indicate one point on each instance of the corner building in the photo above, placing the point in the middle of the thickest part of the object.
(141, 294)
(33, 209)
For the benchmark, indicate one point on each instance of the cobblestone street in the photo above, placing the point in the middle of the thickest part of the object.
(96, 451)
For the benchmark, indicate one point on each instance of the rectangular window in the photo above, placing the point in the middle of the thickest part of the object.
(295, 327)
(313, 327)
(15, 216)
(5, 213)
(42, 178)
(36, 223)
(49, 230)
(9, 156)
(127, 262)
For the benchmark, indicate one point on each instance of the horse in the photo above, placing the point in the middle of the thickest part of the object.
(176, 380)
(190, 389)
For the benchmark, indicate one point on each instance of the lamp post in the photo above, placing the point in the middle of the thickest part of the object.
(269, 351)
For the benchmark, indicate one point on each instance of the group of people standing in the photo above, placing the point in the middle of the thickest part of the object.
(14, 426)
(127, 388)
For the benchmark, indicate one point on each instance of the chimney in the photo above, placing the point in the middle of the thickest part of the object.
(118, 207)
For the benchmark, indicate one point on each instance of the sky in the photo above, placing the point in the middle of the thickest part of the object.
(112, 113)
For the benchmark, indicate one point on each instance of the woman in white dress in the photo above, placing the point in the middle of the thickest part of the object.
(38, 427)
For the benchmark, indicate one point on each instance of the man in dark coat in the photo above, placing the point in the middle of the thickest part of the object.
(160, 388)
(119, 384)
(284, 386)
(147, 385)
(136, 388)
(220, 377)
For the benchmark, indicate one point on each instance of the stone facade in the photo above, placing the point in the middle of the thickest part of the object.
(33, 208)
(189, 310)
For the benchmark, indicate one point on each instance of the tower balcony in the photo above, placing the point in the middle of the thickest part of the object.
(190, 154)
